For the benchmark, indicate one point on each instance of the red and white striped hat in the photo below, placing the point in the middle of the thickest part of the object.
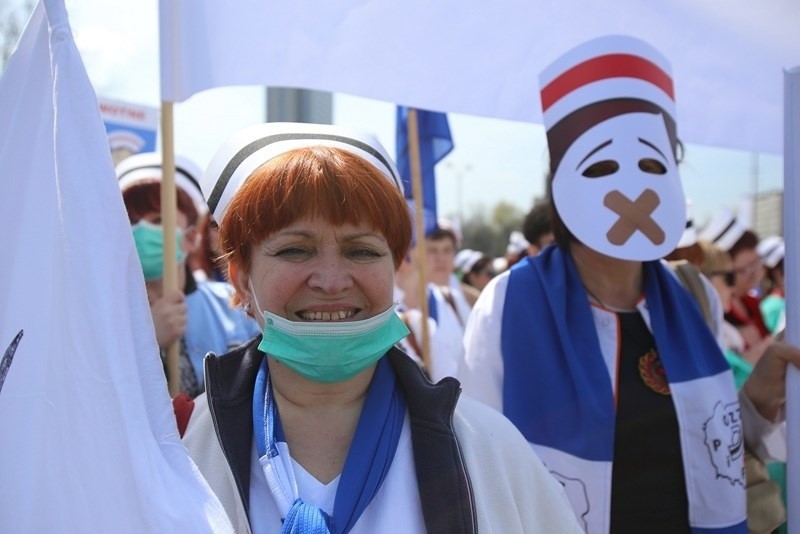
(606, 68)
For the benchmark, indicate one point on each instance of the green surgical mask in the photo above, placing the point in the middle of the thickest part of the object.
(149, 239)
(331, 351)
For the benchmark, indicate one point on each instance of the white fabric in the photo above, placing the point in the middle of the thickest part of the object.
(89, 441)
(466, 259)
(276, 138)
(791, 317)
(781, 325)
(447, 340)
(771, 250)
(147, 166)
(516, 243)
(724, 230)
(395, 508)
(462, 306)
(428, 54)
(414, 318)
(511, 489)
(315, 492)
(585, 477)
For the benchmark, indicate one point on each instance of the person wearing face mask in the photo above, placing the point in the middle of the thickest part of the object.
(322, 424)
(593, 348)
(198, 315)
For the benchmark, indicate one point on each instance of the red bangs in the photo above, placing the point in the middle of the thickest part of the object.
(314, 182)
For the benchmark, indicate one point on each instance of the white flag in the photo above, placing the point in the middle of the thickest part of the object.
(88, 440)
(484, 58)
(791, 235)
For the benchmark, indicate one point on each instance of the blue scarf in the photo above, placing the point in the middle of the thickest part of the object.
(556, 385)
(368, 460)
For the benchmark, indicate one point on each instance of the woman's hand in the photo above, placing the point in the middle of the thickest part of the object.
(169, 318)
(756, 350)
(766, 386)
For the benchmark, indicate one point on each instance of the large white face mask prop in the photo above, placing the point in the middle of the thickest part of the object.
(606, 104)
(618, 191)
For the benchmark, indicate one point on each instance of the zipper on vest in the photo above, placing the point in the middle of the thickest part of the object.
(463, 465)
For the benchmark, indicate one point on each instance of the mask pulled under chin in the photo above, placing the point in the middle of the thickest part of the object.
(331, 351)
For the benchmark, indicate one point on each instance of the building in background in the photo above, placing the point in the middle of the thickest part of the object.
(299, 105)
(768, 213)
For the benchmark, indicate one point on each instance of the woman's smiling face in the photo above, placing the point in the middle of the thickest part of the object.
(313, 271)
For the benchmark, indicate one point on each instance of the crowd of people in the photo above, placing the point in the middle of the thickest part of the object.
(617, 366)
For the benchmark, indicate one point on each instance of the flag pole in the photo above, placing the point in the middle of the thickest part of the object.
(169, 222)
(416, 188)
(791, 203)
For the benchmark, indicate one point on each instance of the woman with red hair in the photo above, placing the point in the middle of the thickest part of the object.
(322, 424)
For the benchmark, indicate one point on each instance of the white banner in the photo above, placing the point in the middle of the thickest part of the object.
(88, 440)
(484, 58)
(791, 227)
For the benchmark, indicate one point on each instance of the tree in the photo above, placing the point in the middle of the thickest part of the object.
(12, 21)
(506, 217)
(490, 234)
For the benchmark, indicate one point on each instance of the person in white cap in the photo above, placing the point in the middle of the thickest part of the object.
(592, 348)
(448, 305)
(728, 232)
(322, 424)
(475, 270)
(688, 248)
(517, 248)
(197, 315)
(687, 261)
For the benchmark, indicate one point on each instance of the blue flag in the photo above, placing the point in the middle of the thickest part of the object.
(435, 143)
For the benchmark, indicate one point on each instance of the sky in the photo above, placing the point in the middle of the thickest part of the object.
(493, 160)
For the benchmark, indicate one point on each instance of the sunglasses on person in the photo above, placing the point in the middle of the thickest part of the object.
(750, 268)
(728, 276)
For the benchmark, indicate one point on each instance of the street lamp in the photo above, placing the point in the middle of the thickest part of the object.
(459, 171)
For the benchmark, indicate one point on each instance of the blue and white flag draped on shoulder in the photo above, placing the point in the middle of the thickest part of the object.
(435, 142)
(88, 438)
(565, 404)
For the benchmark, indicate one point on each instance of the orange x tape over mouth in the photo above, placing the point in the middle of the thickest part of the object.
(633, 215)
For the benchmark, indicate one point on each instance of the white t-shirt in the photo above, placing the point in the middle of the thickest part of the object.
(396, 507)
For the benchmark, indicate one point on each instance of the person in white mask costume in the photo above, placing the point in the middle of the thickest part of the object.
(322, 424)
(592, 348)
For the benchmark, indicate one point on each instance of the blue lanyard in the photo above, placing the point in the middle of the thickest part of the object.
(368, 460)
